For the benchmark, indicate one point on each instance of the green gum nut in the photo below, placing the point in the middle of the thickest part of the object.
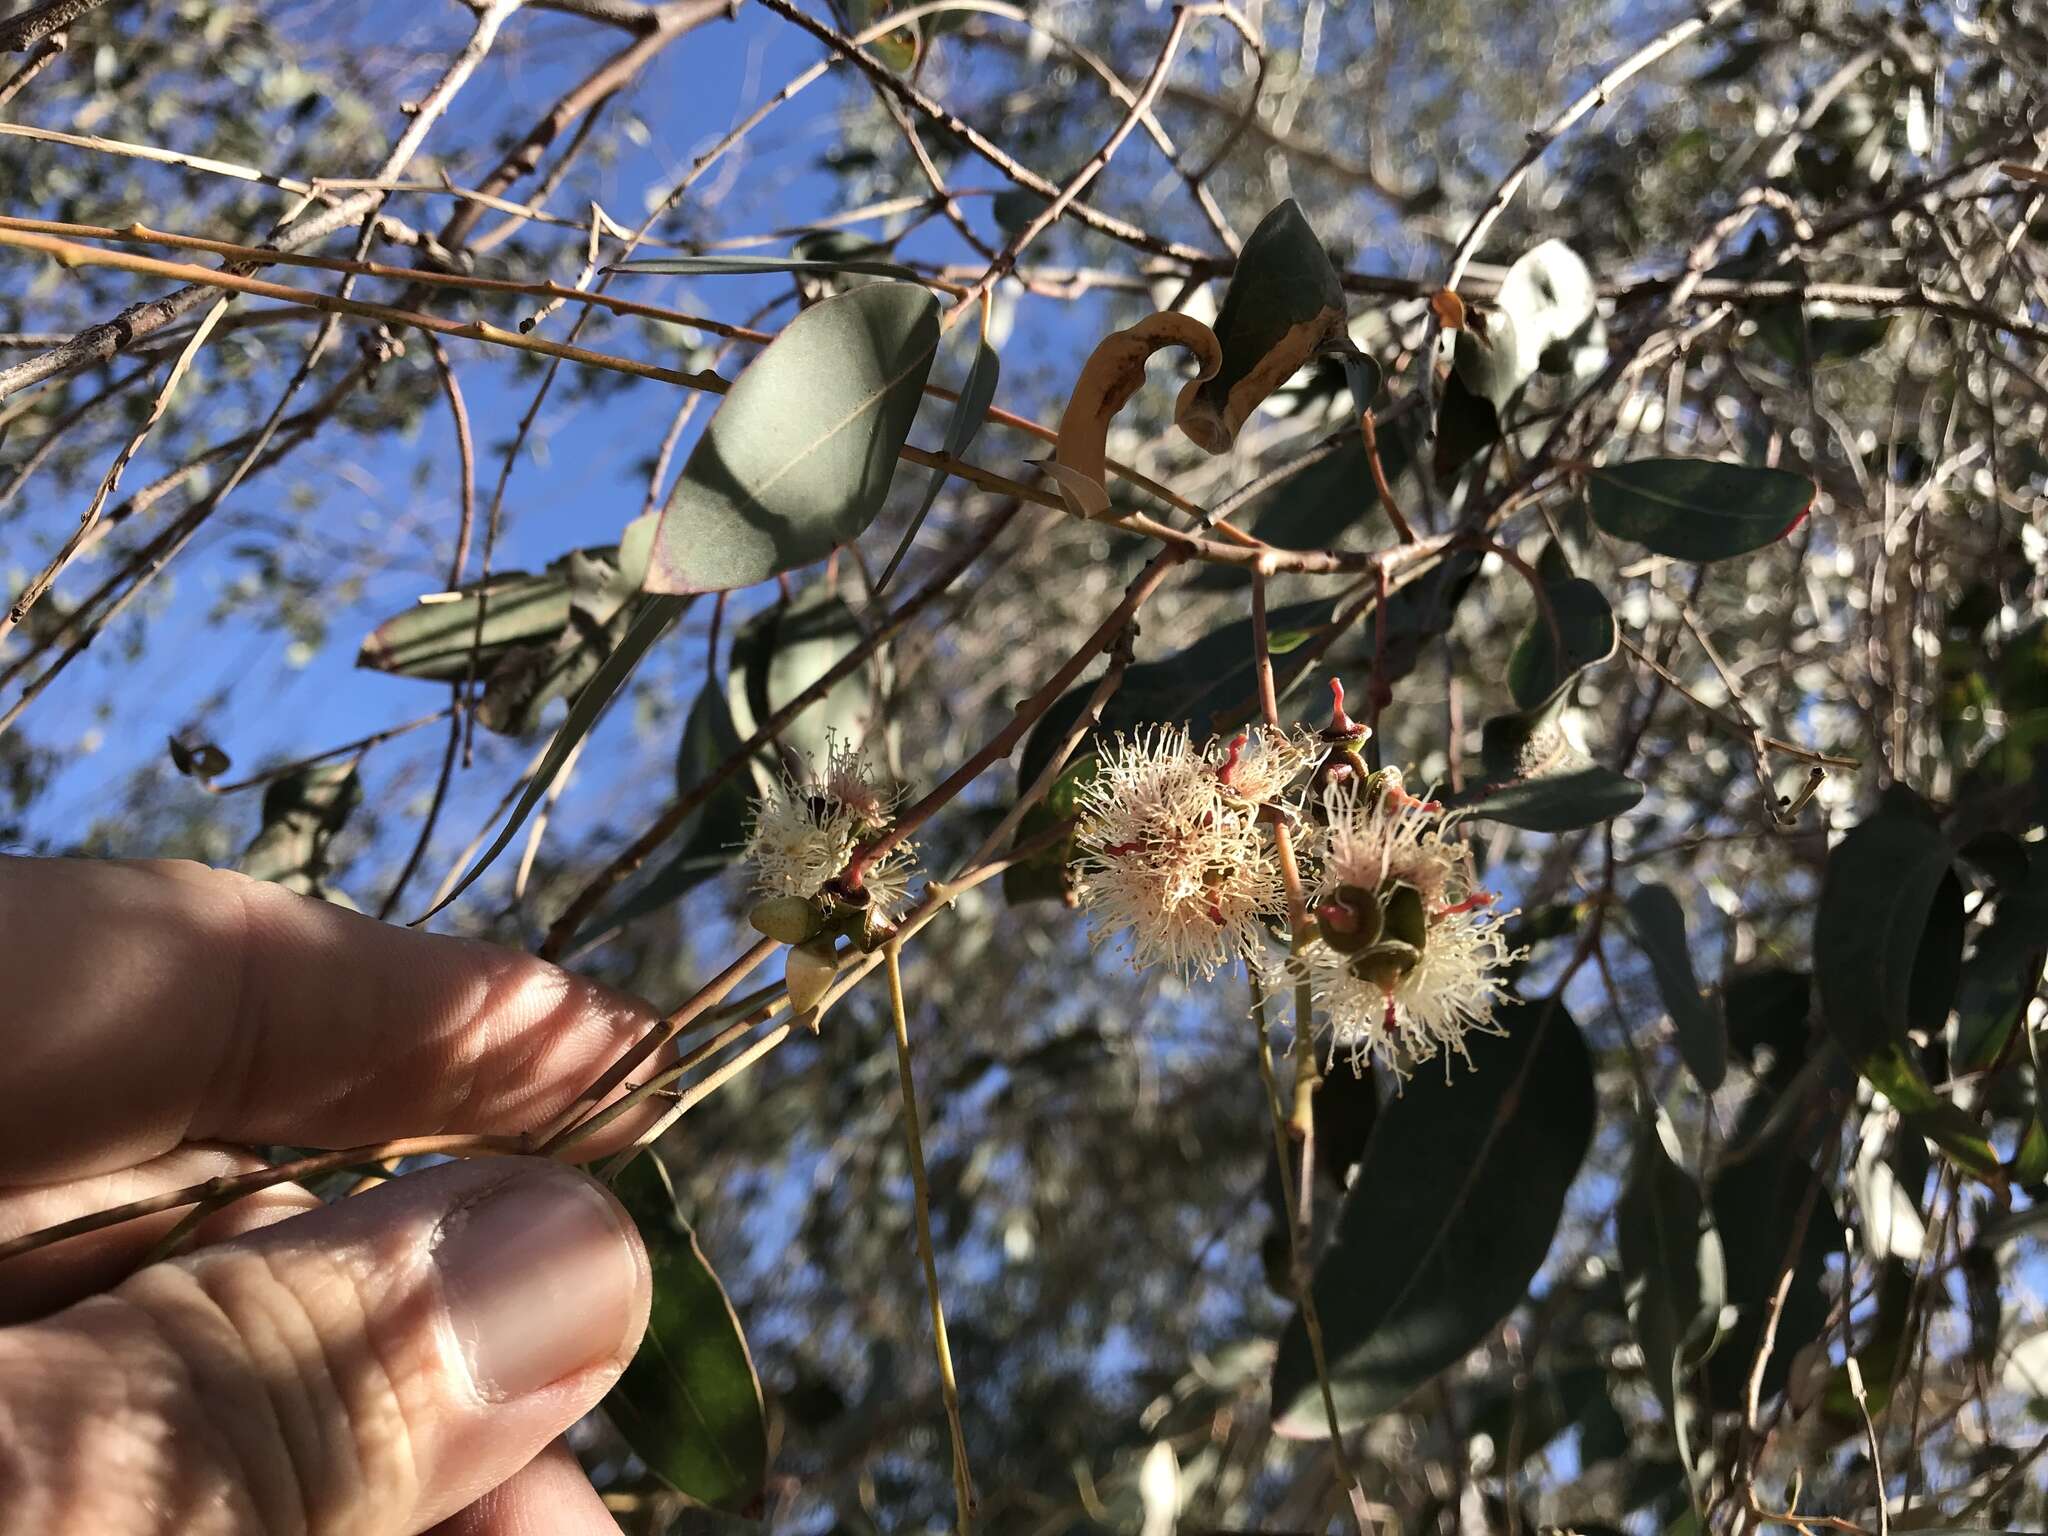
(1385, 964)
(1350, 920)
(1404, 917)
(787, 919)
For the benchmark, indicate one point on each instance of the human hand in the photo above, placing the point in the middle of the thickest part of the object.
(397, 1359)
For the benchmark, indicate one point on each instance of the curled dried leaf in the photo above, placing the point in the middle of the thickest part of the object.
(1114, 372)
(1449, 309)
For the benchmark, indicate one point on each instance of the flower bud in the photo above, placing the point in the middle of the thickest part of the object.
(809, 972)
(787, 919)
(1385, 964)
(1405, 917)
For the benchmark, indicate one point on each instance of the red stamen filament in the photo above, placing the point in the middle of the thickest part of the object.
(1341, 724)
(1229, 764)
(1471, 903)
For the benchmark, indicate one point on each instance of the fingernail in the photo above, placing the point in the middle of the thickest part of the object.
(540, 1278)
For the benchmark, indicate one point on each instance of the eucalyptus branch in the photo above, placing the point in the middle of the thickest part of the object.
(963, 1478)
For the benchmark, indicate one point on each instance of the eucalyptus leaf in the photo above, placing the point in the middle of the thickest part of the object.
(433, 638)
(1284, 302)
(1876, 929)
(1674, 1277)
(1449, 1219)
(969, 412)
(1543, 661)
(1581, 796)
(1545, 302)
(1697, 509)
(799, 457)
(1207, 687)
(1756, 1205)
(708, 841)
(1658, 922)
(781, 652)
(303, 812)
(689, 1403)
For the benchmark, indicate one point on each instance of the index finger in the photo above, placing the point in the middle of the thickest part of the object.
(146, 1005)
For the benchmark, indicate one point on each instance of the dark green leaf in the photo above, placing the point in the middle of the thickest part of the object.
(1757, 1204)
(1283, 303)
(1698, 509)
(800, 455)
(1673, 1276)
(1999, 976)
(689, 1403)
(653, 617)
(1048, 875)
(1894, 1074)
(969, 412)
(1826, 338)
(1658, 922)
(1015, 208)
(1543, 661)
(1876, 928)
(1579, 797)
(1449, 1219)
(1207, 687)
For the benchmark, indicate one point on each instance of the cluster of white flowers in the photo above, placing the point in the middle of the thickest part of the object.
(806, 826)
(1172, 851)
(1407, 954)
(1403, 956)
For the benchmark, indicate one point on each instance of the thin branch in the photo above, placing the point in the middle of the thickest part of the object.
(921, 1196)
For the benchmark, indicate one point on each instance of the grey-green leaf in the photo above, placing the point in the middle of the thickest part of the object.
(432, 639)
(1698, 509)
(302, 814)
(799, 457)
(781, 652)
(1448, 1220)
(1658, 922)
(689, 1403)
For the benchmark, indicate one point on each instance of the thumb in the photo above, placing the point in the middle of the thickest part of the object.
(370, 1367)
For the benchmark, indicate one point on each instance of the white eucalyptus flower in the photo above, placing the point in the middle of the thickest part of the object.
(806, 826)
(1173, 855)
(1409, 955)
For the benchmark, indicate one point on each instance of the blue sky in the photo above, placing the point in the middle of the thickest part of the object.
(580, 479)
